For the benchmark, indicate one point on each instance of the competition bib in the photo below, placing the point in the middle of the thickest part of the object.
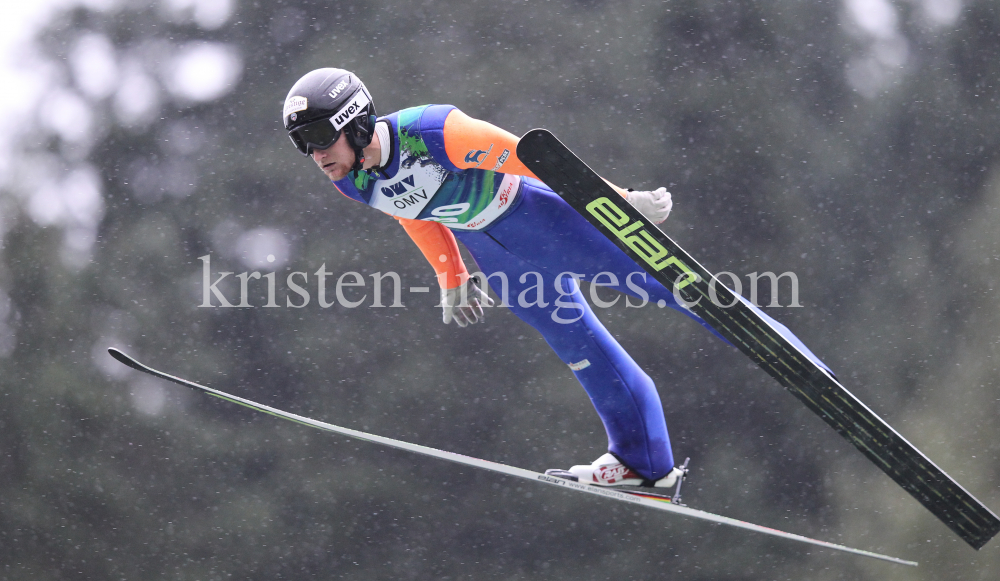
(423, 189)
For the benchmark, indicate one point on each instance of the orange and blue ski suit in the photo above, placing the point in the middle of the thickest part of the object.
(450, 177)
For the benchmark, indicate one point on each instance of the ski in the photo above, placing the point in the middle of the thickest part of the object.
(635, 498)
(669, 264)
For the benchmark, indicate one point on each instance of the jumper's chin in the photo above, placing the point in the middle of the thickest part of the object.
(335, 172)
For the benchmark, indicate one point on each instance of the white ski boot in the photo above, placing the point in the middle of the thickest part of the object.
(609, 471)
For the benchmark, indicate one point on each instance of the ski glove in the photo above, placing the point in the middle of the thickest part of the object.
(654, 205)
(464, 304)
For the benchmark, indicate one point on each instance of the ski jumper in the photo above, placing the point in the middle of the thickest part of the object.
(450, 177)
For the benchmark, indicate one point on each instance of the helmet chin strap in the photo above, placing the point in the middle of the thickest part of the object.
(359, 152)
(359, 159)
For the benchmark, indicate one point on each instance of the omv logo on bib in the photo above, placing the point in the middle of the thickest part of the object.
(399, 188)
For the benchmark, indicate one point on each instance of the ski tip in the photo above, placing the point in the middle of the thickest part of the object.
(532, 144)
(123, 358)
(535, 133)
(532, 139)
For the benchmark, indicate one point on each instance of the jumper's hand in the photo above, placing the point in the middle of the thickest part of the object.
(654, 205)
(464, 304)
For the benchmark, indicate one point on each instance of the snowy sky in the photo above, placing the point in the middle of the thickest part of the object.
(203, 71)
(21, 81)
(23, 78)
(23, 75)
(70, 196)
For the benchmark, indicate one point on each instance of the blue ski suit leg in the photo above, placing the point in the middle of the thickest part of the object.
(624, 396)
(544, 235)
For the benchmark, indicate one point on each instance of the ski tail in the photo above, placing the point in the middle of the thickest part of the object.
(669, 264)
(649, 501)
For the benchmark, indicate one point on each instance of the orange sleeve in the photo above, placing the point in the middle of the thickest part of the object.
(440, 249)
(473, 143)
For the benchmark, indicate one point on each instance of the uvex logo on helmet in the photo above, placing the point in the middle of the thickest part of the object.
(351, 110)
(336, 90)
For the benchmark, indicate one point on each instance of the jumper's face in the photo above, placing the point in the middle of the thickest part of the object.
(335, 161)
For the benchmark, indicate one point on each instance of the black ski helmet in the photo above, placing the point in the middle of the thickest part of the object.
(324, 103)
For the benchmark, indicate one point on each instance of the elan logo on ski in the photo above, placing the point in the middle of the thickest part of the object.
(635, 237)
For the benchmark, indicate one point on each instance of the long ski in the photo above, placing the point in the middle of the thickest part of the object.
(634, 498)
(669, 264)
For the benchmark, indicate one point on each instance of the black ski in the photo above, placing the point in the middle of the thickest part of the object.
(668, 263)
(634, 497)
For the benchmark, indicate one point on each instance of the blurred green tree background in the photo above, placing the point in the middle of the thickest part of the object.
(855, 143)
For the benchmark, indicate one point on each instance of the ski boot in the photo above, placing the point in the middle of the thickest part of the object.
(608, 470)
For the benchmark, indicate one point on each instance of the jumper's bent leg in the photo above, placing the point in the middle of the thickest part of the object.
(623, 394)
